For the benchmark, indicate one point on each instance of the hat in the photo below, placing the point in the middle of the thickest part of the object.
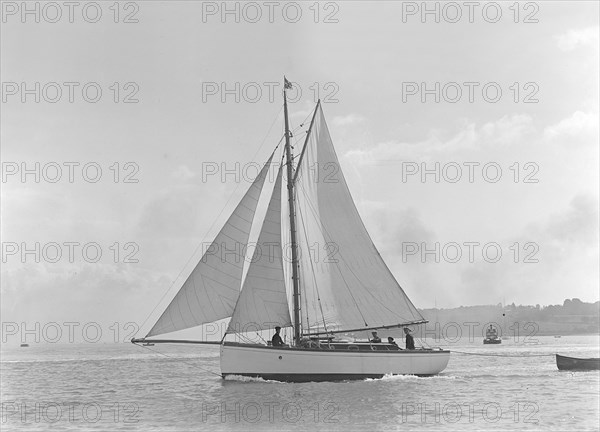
(406, 329)
(374, 333)
(277, 328)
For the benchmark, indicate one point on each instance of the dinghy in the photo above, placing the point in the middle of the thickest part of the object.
(577, 364)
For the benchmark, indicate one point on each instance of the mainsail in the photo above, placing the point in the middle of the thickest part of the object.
(212, 289)
(346, 285)
(262, 303)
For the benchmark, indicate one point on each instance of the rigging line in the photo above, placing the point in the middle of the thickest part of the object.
(423, 342)
(306, 139)
(213, 224)
(288, 267)
(348, 266)
(321, 228)
(297, 140)
(233, 332)
(502, 355)
(179, 359)
(310, 259)
(306, 305)
(313, 273)
(299, 136)
(297, 129)
(243, 337)
(294, 130)
(302, 280)
(306, 118)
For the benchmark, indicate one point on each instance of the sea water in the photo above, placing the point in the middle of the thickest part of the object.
(512, 386)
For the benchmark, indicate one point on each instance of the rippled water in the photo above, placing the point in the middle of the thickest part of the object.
(124, 387)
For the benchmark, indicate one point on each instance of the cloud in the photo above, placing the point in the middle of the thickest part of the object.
(172, 213)
(302, 111)
(391, 227)
(554, 254)
(69, 292)
(183, 173)
(577, 225)
(347, 120)
(574, 39)
(580, 124)
(538, 261)
(508, 130)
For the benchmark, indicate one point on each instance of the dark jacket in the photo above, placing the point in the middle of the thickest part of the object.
(410, 342)
(276, 340)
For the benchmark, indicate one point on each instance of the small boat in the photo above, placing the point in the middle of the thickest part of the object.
(491, 336)
(573, 363)
(557, 337)
(24, 345)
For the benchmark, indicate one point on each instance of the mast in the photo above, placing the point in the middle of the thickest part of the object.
(290, 187)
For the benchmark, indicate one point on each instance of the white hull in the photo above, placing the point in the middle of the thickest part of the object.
(289, 364)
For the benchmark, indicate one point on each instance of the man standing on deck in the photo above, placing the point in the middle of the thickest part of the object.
(276, 340)
(410, 342)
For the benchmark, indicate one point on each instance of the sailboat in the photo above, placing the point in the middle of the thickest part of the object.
(349, 290)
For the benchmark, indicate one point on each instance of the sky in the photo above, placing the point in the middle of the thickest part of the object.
(148, 156)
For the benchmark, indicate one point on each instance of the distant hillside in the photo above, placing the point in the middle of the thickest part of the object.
(572, 317)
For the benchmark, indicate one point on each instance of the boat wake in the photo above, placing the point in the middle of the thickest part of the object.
(390, 377)
(241, 378)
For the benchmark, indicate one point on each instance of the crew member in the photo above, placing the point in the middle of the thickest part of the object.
(375, 338)
(276, 339)
(410, 342)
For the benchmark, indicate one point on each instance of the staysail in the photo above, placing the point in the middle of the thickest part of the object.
(212, 289)
(263, 303)
(346, 285)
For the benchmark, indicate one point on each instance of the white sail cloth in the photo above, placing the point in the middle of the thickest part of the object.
(345, 283)
(262, 304)
(212, 289)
